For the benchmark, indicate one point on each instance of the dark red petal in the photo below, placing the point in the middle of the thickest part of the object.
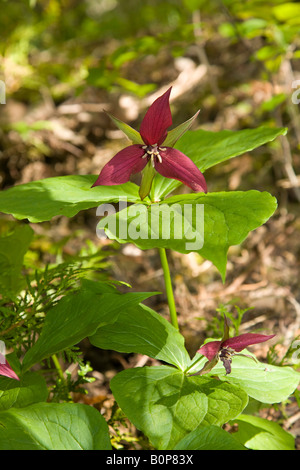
(210, 350)
(178, 166)
(238, 343)
(6, 370)
(157, 120)
(125, 163)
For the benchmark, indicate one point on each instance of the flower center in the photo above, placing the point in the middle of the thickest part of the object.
(152, 152)
(225, 355)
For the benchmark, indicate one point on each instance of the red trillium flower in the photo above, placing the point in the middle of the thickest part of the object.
(6, 370)
(154, 146)
(228, 347)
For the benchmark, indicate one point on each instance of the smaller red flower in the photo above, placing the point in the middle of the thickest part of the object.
(228, 347)
(166, 160)
(6, 370)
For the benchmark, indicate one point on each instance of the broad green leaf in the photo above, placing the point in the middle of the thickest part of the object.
(261, 434)
(177, 223)
(53, 426)
(13, 247)
(143, 331)
(75, 317)
(207, 149)
(166, 405)
(264, 382)
(31, 388)
(63, 195)
(209, 438)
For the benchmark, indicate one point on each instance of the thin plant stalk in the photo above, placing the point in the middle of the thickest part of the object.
(58, 367)
(193, 364)
(60, 373)
(169, 288)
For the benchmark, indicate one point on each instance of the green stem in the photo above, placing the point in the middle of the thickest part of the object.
(60, 373)
(193, 364)
(169, 288)
(58, 367)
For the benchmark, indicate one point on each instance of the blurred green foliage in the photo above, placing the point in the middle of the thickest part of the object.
(66, 45)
